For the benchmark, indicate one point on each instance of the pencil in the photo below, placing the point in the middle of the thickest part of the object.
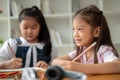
(84, 52)
(11, 50)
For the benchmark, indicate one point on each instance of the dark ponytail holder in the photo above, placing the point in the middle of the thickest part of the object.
(34, 8)
(101, 13)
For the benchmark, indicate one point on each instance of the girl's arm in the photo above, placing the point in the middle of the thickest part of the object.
(5, 51)
(12, 63)
(105, 68)
(2, 65)
(61, 60)
(102, 68)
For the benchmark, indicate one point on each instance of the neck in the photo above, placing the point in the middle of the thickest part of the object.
(89, 53)
(34, 41)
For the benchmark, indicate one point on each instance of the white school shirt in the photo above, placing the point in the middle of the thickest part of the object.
(6, 54)
(104, 54)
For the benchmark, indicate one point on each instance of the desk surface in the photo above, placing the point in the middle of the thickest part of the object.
(93, 77)
(101, 77)
(104, 77)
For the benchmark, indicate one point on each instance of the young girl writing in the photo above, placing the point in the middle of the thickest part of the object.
(34, 47)
(89, 26)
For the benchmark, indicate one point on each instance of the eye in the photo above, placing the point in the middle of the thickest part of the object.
(25, 27)
(80, 29)
(34, 27)
(73, 28)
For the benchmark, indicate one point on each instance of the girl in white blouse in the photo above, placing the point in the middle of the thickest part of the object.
(34, 47)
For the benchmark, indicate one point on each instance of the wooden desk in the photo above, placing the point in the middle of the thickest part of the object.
(104, 77)
(93, 77)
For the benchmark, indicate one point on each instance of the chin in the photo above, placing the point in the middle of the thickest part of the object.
(79, 45)
(29, 39)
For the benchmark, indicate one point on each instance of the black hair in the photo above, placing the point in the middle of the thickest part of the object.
(44, 35)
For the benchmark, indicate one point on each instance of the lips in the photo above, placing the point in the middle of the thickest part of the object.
(29, 36)
(78, 40)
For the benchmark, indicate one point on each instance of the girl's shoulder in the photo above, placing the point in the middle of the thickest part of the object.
(104, 49)
(11, 41)
(106, 53)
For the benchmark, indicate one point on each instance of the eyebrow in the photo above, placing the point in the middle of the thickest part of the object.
(30, 25)
(77, 26)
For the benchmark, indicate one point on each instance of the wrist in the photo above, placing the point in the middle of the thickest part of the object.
(3, 65)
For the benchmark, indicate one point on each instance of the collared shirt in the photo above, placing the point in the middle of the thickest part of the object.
(104, 54)
(6, 54)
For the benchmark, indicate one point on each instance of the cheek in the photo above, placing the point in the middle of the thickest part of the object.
(81, 33)
(87, 36)
(90, 39)
(36, 31)
(21, 28)
(23, 31)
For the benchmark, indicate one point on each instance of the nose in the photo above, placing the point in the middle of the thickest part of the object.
(75, 33)
(29, 30)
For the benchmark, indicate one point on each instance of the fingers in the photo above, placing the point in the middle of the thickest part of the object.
(18, 63)
(14, 63)
(41, 64)
(18, 59)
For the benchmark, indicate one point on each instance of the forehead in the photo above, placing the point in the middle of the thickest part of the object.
(78, 21)
(30, 19)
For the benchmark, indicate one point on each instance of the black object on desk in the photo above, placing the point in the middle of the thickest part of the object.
(57, 73)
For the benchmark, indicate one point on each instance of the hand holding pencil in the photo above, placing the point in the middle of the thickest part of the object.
(14, 62)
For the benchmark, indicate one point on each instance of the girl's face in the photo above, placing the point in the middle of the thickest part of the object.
(83, 33)
(30, 29)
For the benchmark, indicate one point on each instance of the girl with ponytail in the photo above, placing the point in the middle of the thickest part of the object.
(89, 26)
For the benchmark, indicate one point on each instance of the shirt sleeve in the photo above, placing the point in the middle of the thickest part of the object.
(72, 54)
(109, 56)
(5, 52)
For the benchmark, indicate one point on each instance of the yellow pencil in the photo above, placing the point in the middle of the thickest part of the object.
(84, 51)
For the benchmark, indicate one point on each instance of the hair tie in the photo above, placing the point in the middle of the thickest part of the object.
(34, 8)
(101, 12)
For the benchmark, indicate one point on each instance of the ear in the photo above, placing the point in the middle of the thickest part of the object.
(97, 31)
